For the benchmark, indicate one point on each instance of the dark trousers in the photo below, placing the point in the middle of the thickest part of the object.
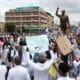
(64, 29)
(65, 58)
(8, 68)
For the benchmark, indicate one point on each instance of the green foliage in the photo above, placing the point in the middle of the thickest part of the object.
(10, 27)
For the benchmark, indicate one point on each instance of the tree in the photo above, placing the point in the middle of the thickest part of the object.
(10, 27)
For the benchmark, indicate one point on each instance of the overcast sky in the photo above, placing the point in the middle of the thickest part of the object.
(72, 7)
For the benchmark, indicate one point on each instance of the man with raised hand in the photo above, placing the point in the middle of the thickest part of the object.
(64, 20)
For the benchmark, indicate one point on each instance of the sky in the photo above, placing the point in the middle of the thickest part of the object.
(72, 7)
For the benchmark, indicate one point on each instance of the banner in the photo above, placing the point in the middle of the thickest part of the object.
(64, 45)
(37, 43)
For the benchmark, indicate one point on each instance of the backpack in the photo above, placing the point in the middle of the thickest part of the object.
(19, 49)
(9, 53)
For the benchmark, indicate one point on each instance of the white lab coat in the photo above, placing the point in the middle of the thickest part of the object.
(18, 73)
(24, 62)
(41, 70)
(77, 55)
(3, 71)
(65, 78)
(5, 54)
(24, 57)
(78, 78)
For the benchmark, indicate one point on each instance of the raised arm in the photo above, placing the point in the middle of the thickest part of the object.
(46, 65)
(57, 12)
(49, 63)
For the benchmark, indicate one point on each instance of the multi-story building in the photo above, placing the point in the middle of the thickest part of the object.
(30, 17)
(2, 24)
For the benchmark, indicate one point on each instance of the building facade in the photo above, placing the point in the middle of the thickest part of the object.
(30, 17)
(2, 25)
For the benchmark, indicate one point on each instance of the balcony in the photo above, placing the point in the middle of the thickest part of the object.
(21, 16)
(44, 21)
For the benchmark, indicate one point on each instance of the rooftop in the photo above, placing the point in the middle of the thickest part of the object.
(29, 8)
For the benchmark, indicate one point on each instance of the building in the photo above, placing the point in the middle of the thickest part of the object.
(2, 24)
(32, 18)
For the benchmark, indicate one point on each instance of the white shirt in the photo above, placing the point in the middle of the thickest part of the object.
(18, 39)
(41, 70)
(5, 54)
(77, 53)
(74, 42)
(77, 56)
(18, 73)
(3, 71)
(24, 62)
(14, 53)
(65, 78)
(24, 57)
(78, 78)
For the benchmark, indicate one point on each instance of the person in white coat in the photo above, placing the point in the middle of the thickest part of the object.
(3, 70)
(76, 61)
(42, 67)
(63, 70)
(18, 72)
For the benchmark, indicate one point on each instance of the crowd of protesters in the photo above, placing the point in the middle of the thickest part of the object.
(18, 63)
